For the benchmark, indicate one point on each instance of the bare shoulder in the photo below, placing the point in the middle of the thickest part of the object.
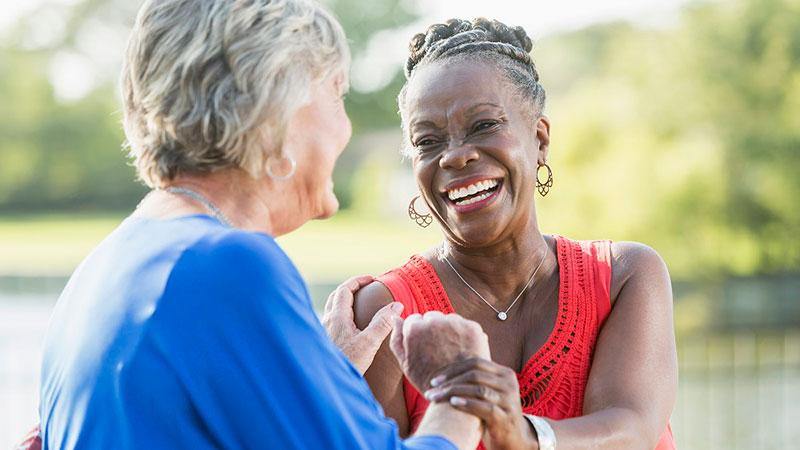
(636, 263)
(368, 300)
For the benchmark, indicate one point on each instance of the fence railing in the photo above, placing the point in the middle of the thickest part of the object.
(738, 390)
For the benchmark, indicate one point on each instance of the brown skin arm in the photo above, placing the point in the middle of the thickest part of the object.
(384, 376)
(633, 380)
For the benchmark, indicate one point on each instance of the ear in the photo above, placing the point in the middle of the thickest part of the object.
(543, 136)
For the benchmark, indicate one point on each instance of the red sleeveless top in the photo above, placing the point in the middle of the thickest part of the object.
(553, 380)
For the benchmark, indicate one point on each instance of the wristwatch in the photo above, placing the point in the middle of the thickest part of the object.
(544, 432)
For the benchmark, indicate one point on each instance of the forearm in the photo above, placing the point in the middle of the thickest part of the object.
(462, 429)
(608, 429)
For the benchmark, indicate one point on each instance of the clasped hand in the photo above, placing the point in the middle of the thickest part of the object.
(445, 356)
(489, 391)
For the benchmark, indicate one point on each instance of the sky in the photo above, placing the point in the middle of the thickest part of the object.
(72, 74)
(538, 17)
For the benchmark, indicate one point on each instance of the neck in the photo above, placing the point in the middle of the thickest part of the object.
(517, 257)
(243, 200)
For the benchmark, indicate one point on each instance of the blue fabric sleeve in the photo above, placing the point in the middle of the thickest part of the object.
(238, 328)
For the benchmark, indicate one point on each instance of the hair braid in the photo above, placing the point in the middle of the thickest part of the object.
(495, 42)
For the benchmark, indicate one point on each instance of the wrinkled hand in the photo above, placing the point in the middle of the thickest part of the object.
(426, 344)
(489, 391)
(338, 319)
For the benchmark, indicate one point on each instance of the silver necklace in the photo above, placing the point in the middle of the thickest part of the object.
(194, 195)
(502, 315)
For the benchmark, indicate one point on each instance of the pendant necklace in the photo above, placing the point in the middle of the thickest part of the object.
(501, 315)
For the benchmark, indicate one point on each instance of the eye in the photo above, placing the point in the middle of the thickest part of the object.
(425, 142)
(485, 125)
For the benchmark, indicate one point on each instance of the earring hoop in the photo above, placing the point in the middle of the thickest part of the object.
(544, 188)
(292, 168)
(423, 220)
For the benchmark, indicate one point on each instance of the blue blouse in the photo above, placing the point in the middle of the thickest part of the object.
(184, 333)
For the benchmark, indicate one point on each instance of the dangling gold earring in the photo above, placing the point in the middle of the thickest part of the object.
(423, 220)
(544, 188)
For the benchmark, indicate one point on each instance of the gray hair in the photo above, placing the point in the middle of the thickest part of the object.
(210, 84)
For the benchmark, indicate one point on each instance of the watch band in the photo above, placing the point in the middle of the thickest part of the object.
(544, 432)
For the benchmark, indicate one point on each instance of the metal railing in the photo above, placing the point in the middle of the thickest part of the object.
(739, 391)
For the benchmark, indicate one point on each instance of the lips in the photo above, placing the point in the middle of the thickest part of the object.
(469, 195)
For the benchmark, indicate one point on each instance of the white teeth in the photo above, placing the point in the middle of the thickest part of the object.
(455, 194)
(472, 200)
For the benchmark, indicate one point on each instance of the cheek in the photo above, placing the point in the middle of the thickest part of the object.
(344, 129)
(425, 173)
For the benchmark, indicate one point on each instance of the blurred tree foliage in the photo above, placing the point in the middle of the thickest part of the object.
(67, 155)
(686, 135)
(686, 138)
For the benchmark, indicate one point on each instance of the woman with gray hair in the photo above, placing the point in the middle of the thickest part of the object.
(188, 326)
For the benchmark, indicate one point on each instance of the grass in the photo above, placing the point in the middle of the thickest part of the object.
(325, 251)
(51, 244)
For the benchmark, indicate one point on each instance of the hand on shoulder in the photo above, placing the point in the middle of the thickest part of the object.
(456, 338)
(340, 321)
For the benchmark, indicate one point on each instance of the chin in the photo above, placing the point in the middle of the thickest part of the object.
(479, 231)
(329, 207)
(476, 238)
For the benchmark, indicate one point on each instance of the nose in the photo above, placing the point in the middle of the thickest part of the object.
(457, 156)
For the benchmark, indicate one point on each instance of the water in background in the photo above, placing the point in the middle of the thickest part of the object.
(739, 387)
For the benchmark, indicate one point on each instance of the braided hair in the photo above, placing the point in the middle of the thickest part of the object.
(487, 40)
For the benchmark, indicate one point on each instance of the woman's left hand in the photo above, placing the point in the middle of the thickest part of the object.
(489, 391)
(359, 346)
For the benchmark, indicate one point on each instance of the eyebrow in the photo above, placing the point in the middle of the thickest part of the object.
(469, 111)
(424, 124)
(472, 108)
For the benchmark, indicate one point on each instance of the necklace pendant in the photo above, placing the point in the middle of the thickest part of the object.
(502, 315)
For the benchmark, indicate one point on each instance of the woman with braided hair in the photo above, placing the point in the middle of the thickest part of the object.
(581, 335)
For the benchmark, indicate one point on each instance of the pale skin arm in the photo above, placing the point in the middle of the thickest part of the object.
(457, 338)
(633, 380)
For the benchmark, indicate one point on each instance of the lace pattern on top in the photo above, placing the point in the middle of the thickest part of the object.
(553, 380)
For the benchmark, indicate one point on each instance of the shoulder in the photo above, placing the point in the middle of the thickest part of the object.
(634, 262)
(237, 251)
(368, 300)
(376, 295)
(233, 261)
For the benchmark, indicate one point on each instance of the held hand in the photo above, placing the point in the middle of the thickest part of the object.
(489, 391)
(426, 344)
(359, 346)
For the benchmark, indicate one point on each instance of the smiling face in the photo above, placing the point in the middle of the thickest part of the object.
(475, 147)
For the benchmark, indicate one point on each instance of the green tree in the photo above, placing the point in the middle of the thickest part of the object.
(57, 155)
(686, 138)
